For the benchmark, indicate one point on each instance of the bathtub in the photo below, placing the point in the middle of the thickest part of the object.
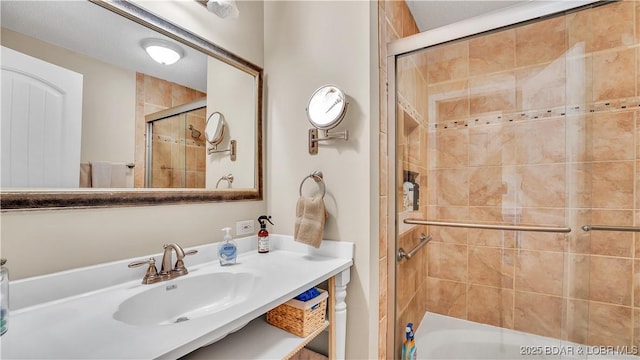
(445, 337)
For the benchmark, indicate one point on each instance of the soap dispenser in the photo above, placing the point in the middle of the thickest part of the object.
(263, 234)
(228, 251)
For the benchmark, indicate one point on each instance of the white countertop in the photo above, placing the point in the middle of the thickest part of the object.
(81, 325)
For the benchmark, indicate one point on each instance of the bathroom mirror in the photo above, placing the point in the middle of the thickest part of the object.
(327, 107)
(126, 137)
(215, 129)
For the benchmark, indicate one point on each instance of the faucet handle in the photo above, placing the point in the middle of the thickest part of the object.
(179, 269)
(152, 272)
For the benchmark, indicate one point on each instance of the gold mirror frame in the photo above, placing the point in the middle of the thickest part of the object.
(60, 199)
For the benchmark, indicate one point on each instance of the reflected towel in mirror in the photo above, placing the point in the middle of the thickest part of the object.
(106, 174)
(310, 218)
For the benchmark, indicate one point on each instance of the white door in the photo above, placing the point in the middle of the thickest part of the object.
(41, 123)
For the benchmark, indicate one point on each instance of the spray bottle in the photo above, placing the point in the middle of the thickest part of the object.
(409, 345)
(263, 234)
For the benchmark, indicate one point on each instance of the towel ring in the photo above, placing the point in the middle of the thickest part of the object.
(318, 178)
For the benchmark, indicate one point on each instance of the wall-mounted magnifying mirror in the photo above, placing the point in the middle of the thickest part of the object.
(215, 129)
(214, 132)
(326, 109)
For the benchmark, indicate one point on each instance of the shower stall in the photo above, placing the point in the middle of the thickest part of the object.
(176, 147)
(514, 155)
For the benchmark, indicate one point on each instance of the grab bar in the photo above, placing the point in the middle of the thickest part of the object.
(611, 228)
(423, 241)
(553, 229)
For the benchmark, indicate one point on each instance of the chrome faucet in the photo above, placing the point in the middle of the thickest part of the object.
(167, 268)
(167, 271)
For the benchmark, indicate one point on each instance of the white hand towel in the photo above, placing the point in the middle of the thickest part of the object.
(310, 218)
(118, 175)
(100, 174)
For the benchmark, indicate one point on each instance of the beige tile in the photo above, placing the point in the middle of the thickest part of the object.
(612, 185)
(491, 266)
(612, 243)
(579, 77)
(450, 100)
(452, 148)
(492, 53)
(452, 187)
(394, 16)
(383, 240)
(447, 297)
(157, 92)
(448, 261)
(544, 241)
(382, 338)
(449, 235)
(580, 190)
(609, 325)
(542, 185)
(491, 145)
(540, 42)
(539, 271)
(383, 105)
(538, 314)
(541, 142)
(577, 279)
(448, 62)
(181, 95)
(636, 283)
(611, 280)
(614, 138)
(492, 94)
(383, 164)
(409, 26)
(382, 41)
(580, 30)
(577, 321)
(485, 186)
(613, 26)
(636, 328)
(611, 74)
(383, 295)
(489, 305)
(542, 87)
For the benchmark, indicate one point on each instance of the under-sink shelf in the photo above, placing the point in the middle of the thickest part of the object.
(257, 340)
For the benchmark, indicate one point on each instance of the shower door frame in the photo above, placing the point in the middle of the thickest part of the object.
(508, 17)
(158, 116)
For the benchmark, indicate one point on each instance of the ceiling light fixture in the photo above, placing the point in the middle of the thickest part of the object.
(162, 51)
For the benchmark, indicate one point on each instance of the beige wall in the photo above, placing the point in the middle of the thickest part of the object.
(303, 50)
(235, 101)
(40, 242)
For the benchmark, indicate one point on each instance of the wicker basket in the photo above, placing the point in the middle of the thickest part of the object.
(300, 317)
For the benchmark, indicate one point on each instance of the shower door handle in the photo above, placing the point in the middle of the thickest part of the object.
(424, 239)
(611, 228)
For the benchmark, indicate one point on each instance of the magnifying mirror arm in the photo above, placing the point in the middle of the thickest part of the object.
(232, 150)
(314, 138)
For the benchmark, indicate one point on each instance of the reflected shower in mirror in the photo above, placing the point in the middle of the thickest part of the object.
(121, 86)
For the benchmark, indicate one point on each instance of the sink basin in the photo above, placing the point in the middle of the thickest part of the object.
(185, 298)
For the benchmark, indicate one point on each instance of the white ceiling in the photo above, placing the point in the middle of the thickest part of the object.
(91, 30)
(430, 14)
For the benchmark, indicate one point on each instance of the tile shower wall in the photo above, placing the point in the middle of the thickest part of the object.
(153, 95)
(394, 21)
(538, 124)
